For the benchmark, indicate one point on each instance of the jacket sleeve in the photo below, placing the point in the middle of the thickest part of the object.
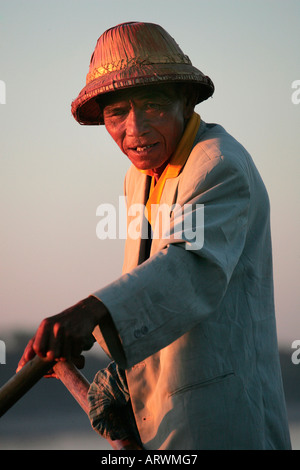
(185, 281)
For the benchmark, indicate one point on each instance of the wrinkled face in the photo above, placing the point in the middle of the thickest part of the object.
(147, 123)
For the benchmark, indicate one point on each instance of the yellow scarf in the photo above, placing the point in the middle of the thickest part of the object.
(176, 163)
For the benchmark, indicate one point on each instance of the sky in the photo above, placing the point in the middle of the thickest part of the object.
(54, 173)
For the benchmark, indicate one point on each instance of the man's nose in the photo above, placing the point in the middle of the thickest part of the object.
(136, 123)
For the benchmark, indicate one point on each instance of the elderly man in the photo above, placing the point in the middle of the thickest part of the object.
(190, 324)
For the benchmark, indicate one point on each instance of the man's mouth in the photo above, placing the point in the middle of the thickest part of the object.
(142, 148)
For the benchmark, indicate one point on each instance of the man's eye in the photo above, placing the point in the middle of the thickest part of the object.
(153, 105)
(118, 112)
(114, 112)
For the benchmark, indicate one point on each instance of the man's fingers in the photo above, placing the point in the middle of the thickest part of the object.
(41, 341)
(57, 342)
(53, 341)
(67, 334)
(28, 354)
(49, 339)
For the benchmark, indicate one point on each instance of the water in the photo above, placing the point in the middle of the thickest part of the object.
(49, 434)
(295, 436)
(85, 441)
(48, 418)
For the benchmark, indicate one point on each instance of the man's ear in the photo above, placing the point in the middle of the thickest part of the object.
(190, 96)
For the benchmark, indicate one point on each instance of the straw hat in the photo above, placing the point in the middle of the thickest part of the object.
(134, 54)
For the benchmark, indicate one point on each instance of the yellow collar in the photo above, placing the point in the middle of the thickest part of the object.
(176, 163)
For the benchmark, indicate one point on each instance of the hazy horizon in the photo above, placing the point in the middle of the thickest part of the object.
(55, 173)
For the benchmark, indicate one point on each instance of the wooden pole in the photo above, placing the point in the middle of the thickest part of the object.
(74, 381)
(22, 381)
(79, 386)
(68, 374)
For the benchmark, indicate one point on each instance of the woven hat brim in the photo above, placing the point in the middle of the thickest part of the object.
(86, 109)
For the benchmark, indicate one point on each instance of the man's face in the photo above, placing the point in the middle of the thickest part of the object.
(146, 123)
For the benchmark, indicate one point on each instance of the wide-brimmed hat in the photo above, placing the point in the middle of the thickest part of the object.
(134, 54)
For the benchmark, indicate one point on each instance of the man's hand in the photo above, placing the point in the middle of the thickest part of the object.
(66, 335)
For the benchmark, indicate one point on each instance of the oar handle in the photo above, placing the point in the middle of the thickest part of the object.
(22, 381)
(74, 381)
(78, 386)
(68, 374)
